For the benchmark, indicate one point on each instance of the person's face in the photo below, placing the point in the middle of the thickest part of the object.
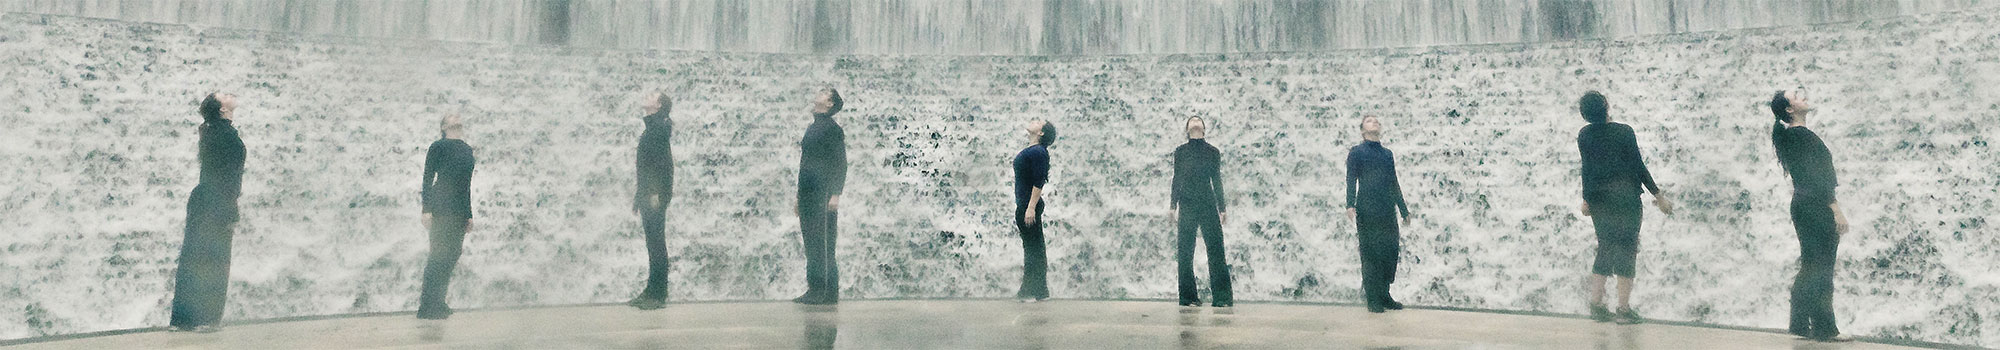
(228, 105)
(1800, 107)
(452, 123)
(1197, 128)
(1370, 125)
(1035, 130)
(823, 102)
(651, 105)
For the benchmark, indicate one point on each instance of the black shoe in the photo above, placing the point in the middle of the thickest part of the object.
(434, 315)
(1193, 303)
(1224, 304)
(1836, 338)
(1627, 316)
(1375, 308)
(644, 303)
(204, 329)
(1391, 304)
(806, 299)
(1600, 313)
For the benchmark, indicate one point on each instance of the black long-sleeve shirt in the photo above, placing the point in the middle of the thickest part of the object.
(221, 155)
(1031, 171)
(1372, 188)
(1806, 158)
(448, 179)
(1612, 165)
(655, 162)
(1198, 175)
(822, 163)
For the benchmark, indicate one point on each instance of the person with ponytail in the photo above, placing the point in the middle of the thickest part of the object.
(1614, 173)
(1816, 216)
(201, 283)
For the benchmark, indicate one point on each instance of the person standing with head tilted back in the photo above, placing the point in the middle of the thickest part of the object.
(1031, 174)
(447, 197)
(201, 284)
(822, 177)
(1198, 206)
(655, 190)
(1374, 198)
(1613, 175)
(1815, 215)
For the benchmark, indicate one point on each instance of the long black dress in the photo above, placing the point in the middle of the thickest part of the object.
(201, 284)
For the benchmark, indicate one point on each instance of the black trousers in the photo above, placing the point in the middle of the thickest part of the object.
(447, 243)
(201, 284)
(1617, 220)
(653, 222)
(1812, 289)
(819, 229)
(1381, 248)
(1204, 218)
(1035, 260)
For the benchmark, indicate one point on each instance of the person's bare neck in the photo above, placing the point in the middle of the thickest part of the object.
(1373, 136)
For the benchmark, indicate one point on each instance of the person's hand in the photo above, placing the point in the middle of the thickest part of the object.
(1029, 218)
(1586, 208)
(1225, 217)
(1407, 218)
(427, 221)
(833, 204)
(468, 224)
(1839, 223)
(1350, 213)
(1666, 206)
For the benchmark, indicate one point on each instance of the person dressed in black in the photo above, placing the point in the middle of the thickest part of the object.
(1613, 175)
(655, 190)
(202, 281)
(1197, 200)
(822, 177)
(1031, 172)
(1374, 198)
(447, 197)
(1816, 216)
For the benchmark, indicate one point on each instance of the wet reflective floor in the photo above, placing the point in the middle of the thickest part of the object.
(954, 324)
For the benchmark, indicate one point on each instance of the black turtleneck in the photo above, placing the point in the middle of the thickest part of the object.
(1372, 188)
(655, 162)
(448, 178)
(221, 155)
(1198, 175)
(822, 162)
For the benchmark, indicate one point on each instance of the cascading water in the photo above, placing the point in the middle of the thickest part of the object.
(992, 27)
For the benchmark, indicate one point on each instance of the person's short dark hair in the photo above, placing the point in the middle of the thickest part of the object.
(211, 109)
(1780, 106)
(1363, 125)
(833, 95)
(1594, 107)
(1048, 134)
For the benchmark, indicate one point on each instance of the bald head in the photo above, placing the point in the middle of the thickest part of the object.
(1197, 128)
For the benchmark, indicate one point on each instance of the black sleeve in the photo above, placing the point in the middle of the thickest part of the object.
(1584, 149)
(1396, 187)
(1644, 176)
(1215, 176)
(1353, 177)
(1174, 192)
(1038, 170)
(837, 180)
(430, 177)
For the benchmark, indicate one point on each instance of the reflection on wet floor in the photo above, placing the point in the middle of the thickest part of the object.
(961, 324)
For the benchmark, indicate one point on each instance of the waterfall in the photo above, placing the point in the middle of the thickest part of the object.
(991, 27)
